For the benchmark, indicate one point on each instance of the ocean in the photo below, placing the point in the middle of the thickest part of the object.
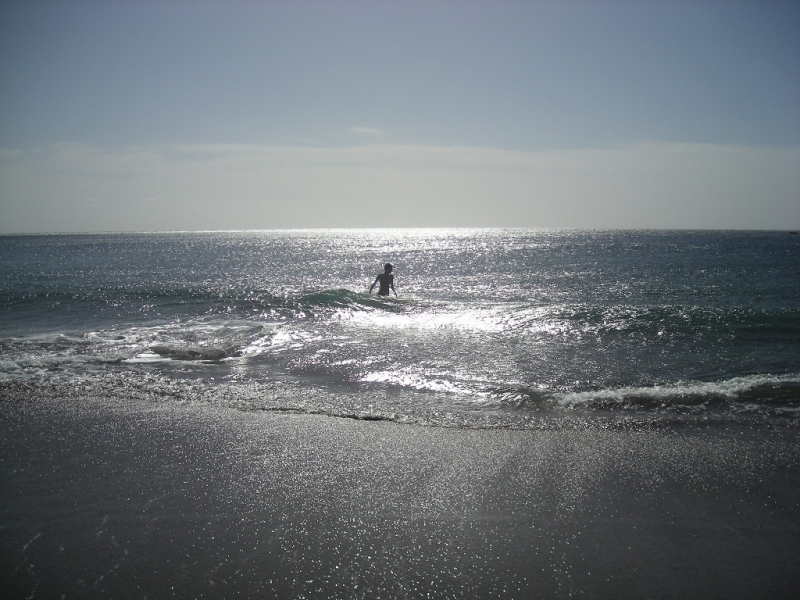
(505, 328)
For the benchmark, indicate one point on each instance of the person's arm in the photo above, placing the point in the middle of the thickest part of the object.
(374, 283)
(391, 285)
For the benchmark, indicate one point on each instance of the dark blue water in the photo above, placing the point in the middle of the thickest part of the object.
(490, 327)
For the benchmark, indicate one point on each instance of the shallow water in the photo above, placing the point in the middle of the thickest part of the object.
(490, 327)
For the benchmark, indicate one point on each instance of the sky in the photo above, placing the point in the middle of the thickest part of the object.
(140, 116)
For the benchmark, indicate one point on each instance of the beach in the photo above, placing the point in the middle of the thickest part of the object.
(399, 300)
(137, 498)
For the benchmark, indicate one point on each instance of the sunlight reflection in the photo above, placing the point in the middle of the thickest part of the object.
(464, 385)
(468, 320)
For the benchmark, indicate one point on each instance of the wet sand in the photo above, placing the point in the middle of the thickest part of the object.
(110, 499)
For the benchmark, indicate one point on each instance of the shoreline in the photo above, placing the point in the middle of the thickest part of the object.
(109, 497)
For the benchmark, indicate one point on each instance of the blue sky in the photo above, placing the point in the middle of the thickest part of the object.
(211, 115)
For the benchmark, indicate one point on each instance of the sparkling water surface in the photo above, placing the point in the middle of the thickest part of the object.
(491, 327)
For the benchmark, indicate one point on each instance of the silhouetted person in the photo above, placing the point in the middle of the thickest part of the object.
(386, 279)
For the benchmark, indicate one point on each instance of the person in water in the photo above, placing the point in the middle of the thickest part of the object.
(386, 279)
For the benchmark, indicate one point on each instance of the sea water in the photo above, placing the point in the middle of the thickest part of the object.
(489, 328)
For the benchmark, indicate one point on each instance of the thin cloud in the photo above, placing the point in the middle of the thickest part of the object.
(235, 186)
(366, 131)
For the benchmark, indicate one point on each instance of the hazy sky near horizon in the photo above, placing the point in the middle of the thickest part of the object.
(119, 116)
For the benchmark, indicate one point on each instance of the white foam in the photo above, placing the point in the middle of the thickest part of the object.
(729, 389)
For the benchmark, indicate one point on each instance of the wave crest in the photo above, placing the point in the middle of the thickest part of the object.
(769, 394)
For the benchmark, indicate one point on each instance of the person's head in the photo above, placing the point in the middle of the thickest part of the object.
(388, 267)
